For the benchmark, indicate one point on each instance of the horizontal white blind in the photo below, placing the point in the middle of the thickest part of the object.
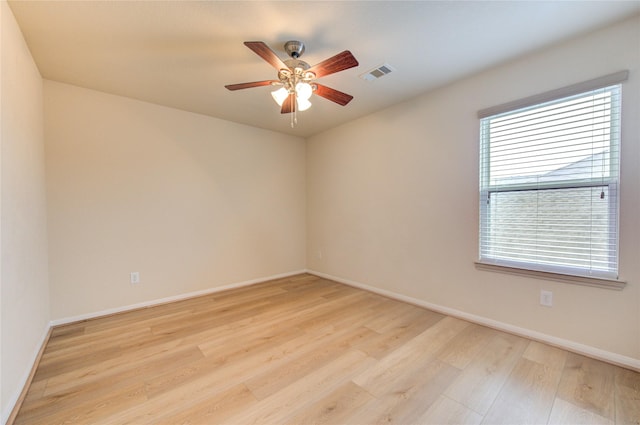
(548, 185)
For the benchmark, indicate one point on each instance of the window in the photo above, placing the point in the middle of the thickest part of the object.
(549, 170)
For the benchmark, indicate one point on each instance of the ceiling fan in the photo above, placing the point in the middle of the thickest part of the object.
(296, 78)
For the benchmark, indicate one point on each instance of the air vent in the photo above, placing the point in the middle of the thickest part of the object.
(378, 72)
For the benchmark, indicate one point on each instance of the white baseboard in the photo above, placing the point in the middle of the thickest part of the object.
(180, 297)
(586, 350)
(24, 380)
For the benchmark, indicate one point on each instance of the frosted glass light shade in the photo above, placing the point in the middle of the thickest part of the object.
(303, 104)
(303, 91)
(280, 95)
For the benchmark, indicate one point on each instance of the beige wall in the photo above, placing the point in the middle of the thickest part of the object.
(24, 305)
(188, 201)
(393, 199)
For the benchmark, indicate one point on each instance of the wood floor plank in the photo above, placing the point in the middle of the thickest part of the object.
(180, 398)
(248, 332)
(380, 345)
(481, 381)
(36, 390)
(261, 324)
(84, 408)
(135, 369)
(206, 319)
(552, 357)
(299, 364)
(466, 345)
(445, 411)
(108, 334)
(627, 396)
(419, 349)
(66, 332)
(291, 400)
(393, 314)
(564, 413)
(113, 382)
(336, 407)
(589, 384)
(527, 396)
(194, 383)
(349, 309)
(303, 349)
(408, 397)
(236, 363)
(211, 410)
(83, 358)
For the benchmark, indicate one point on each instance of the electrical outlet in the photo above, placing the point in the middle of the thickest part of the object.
(546, 298)
(134, 277)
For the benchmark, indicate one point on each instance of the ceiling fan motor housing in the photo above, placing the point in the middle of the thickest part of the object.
(294, 48)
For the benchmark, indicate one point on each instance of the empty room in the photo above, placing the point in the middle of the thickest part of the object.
(305, 212)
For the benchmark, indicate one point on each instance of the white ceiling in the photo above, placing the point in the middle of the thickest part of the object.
(182, 53)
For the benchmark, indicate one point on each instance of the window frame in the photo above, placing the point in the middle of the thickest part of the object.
(539, 269)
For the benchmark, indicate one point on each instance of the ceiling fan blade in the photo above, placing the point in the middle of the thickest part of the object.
(289, 104)
(333, 95)
(266, 53)
(337, 63)
(249, 85)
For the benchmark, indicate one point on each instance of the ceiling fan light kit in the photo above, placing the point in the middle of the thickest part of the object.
(297, 77)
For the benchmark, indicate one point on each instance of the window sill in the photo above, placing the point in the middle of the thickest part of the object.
(598, 282)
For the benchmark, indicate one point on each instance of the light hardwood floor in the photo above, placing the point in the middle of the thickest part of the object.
(306, 350)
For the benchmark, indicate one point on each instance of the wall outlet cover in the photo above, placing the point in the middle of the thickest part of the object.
(546, 298)
(134, 277)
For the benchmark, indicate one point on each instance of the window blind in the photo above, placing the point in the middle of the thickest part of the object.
(549, 184)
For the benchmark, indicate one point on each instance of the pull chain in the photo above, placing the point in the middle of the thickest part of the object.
(294, 115)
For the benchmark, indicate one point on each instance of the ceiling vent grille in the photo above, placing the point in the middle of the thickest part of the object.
(378, 72)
